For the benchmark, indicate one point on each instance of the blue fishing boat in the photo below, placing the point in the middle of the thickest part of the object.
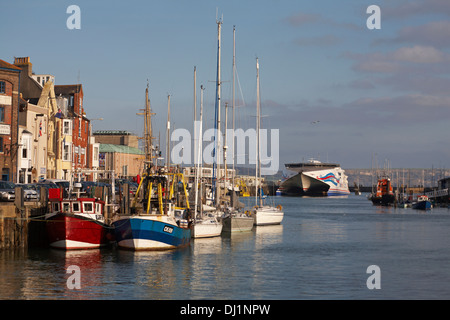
(150, 232)
(422, 203)
(157, 224)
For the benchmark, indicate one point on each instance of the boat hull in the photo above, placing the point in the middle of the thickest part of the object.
(325, 182)
(384, 200)
(67, 231)
(422, 205)
(238, 223)
(153, 232)
(267, 216)
(207, 228)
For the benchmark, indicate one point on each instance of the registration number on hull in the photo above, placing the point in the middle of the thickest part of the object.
(168, 229)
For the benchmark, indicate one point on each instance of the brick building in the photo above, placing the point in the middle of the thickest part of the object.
(75, 121)
(9, 107)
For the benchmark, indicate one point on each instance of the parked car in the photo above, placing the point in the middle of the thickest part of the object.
(64, 184)
(7, 192)
(88, 186)
(46, 186)
(29, 191)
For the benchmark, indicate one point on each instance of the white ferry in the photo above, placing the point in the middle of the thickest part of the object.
(313, 178)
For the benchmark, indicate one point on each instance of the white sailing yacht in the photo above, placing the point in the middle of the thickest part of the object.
(235, 220)
(206, 224)
(264, 214)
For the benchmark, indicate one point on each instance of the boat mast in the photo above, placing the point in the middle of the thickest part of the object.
(168, 135)
(148, 129)
(232, 138)
(201, 151)
(199, 176)
(148, 134)
(195, 94)
(225, 146)
(218, 93)
(195, 104)
(258, 153)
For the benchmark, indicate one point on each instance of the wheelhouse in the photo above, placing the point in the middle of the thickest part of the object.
(77, 206)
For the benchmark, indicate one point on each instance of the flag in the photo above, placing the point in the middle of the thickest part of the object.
(40, 128)
(59, 113)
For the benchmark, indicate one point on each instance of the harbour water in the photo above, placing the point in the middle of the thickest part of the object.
(321, 251)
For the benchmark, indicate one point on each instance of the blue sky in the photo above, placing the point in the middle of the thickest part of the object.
(382, 92)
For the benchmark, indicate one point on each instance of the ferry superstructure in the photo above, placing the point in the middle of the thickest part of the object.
(314, 178)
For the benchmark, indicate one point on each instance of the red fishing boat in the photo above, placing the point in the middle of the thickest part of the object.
(77, 223)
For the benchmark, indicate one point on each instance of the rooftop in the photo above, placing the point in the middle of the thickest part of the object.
(115, 148)
(67, 89)
(113, 132)
(6, 65)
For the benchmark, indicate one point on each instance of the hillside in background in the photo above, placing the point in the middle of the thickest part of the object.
(413, 177)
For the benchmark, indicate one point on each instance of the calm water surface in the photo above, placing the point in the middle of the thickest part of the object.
(321, 251)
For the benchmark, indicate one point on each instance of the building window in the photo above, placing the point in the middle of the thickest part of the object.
(79, 128)
(2, 87)
(66, 152)
(1, 144)
(5, 174)
(2, 114)
(67, 127)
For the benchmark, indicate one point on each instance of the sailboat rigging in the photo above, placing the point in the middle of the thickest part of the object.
(235, 220)
(205, 225)
(264, 214)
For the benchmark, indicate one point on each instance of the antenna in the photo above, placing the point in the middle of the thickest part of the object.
(217, 15)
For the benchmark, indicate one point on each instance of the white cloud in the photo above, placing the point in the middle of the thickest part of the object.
(405, 58)
(418, 54)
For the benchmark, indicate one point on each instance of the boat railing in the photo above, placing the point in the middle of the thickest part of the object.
(437, 193)
(430, 194)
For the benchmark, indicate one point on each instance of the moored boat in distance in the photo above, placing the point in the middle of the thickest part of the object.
(422, 203)
(384, 195)
(77, 224)
(205, 225)
(267, 215)
(234, 220)
(264, 214)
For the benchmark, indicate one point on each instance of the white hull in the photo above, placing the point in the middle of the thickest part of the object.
(267, 216)
(206, 228)
(143, 244)
(72, 244)
(329, 181)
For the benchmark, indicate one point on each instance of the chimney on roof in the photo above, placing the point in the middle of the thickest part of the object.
(25, 64)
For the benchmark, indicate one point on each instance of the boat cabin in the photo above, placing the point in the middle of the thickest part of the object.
(422, 198)
(77, 206)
